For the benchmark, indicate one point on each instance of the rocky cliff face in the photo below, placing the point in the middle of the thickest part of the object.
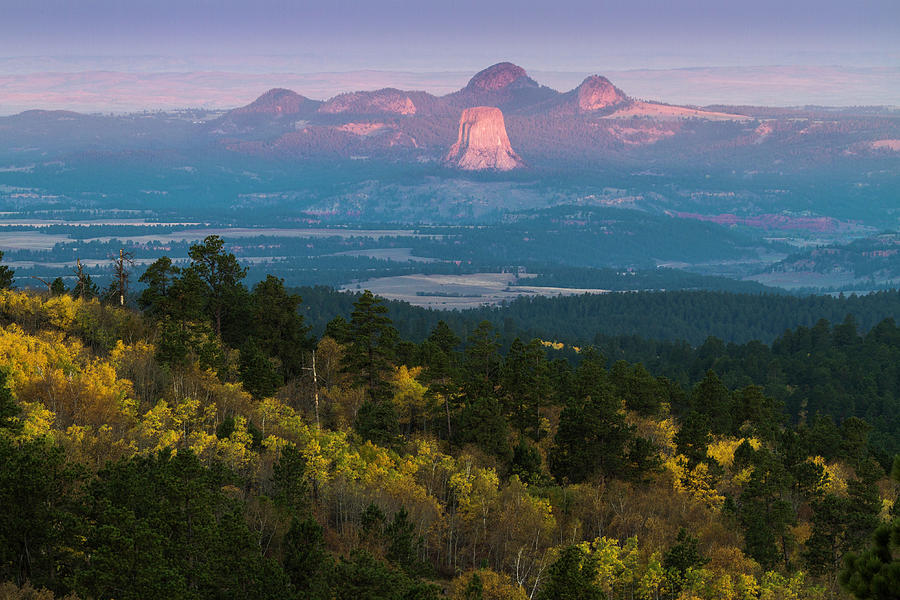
(482, 142)
(596, 93)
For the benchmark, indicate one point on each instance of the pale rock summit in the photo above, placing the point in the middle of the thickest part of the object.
(596, 93)
(499, 76)
(482, 142)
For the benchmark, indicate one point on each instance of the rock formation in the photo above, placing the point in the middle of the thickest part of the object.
(482, 142)
(504, 85)
(499, 76)
(596, 93)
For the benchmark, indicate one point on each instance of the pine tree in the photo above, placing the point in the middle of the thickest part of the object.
(9, 409)
(481, 367)
(259, 374)
(875, 573)
(221, 275)
(763, 511)
(306, 561)
(572, 577)
(159, 278)
(475, 588)
(525, 386)
(369, 354)
(6, 275)
(57, 287)
(593, 436)
(278, 327)
(710, 397)
(442, 362)
(682, 557)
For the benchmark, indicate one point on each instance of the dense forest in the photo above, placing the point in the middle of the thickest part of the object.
(685, 315)
(205, 444)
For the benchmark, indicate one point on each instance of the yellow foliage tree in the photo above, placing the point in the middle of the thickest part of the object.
(494, 586)
(409, 395)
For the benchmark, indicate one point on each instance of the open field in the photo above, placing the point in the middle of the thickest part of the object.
(141, 262)
(393, 254)
(38, 240)
(459, 291)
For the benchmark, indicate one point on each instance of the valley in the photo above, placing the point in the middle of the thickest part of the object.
(371, 184)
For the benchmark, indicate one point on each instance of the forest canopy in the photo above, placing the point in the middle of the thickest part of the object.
(207, 445)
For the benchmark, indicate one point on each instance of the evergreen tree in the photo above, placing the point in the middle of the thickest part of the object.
(875, 573)
(481, 422)
(338, 329)
(403, 544)
(159, 278)
(290, 487)
(364, 576)
(377, 422)
(525, 386)
(370, 351)
(85, 287)
(762, 414)
(572, 577)
(6, 275)
(306, 561)
(221, 275)
(641, 391)
(681, 558)
(710, 397)
(441, 366)
(9, 409)
(527, 463)
(162, 526)
(39, 532)
(763, 511)
(258, 373)
(481, 367)
(693, 438)
(185, 300)
(278, 325)
(829, 540)
(475, 588)
(443, 338)
(593, 436)
(58, 287)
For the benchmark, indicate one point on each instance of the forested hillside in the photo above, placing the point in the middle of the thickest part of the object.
(208, 446)
(689, 316)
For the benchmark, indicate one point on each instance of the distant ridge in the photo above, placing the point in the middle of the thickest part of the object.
(592, 123)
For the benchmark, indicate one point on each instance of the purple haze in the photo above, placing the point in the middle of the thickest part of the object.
(464, 34)
(122, 55)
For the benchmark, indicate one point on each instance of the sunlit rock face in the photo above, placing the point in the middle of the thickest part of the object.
(381, 101)
(499, 76)
(482, 142)
(596, 93)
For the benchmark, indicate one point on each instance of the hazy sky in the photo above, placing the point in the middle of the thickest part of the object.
(457, 34)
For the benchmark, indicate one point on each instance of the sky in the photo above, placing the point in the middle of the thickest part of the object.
(423, 35)
(127, 55)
